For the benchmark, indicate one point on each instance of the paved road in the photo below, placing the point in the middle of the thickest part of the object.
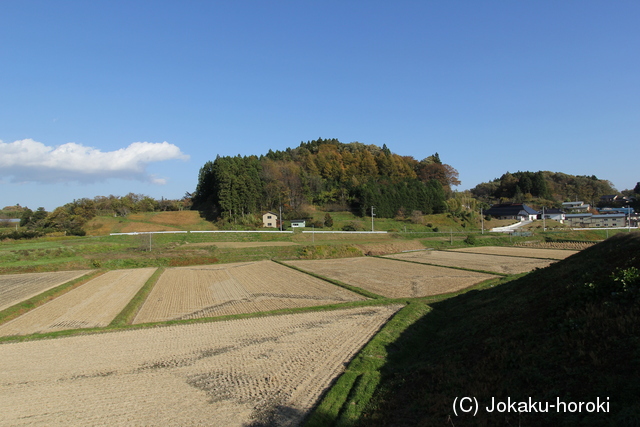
(510, 228)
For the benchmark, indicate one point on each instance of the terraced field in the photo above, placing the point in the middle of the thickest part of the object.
(206, 291)
(494, 263)
(15, 288)
(94, 304)
(258, 371)
(519, 252)
(393, 279)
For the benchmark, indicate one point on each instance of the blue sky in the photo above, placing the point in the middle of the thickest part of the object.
(111, 97)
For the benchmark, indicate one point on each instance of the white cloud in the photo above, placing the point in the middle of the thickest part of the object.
(31, 161)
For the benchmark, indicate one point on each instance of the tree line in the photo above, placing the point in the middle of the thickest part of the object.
(325, 173)
(550, 188)
(71, 217)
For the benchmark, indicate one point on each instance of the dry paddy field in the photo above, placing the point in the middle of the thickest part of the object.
(207, 291)
(519, 252)
(494, 263)
(258, 371)
(15, 288)
(94, 304)
(393, 279)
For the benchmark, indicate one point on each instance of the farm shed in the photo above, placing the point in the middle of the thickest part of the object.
(555, 214)
(589, 220)
(298, 223)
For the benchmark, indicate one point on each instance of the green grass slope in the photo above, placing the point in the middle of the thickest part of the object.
(568, 333)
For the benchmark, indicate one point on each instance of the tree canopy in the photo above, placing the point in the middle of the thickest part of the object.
(323, 172)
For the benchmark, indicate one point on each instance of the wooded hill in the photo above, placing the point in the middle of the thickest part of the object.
(325, 173)
(551, 187)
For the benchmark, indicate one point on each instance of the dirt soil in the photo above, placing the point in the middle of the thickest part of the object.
(94, 304)
(15, 288)
(494, 263)
(249, 287)
(266, 371)
(393, 279)
(577, 246)
(389, 247)
(519, 251)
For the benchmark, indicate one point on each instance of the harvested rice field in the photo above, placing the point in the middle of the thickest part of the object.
(15, 288)
(493, 263)
(215, 290)
(94, 304)
(519, 251)
(246, 372)
(393, 279)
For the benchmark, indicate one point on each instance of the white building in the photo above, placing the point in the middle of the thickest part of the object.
(270, 219)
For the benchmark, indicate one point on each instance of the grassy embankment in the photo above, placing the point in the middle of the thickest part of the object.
(569, 332)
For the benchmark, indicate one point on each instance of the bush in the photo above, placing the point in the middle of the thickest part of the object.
(16, 235)
(471, 240)
(76, 232)
(353, 226)
(622, 284)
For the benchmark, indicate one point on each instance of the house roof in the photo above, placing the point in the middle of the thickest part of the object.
(511, 209)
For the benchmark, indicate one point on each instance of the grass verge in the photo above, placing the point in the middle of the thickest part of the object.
(126, 316)
(345, 401)
(38, 300)
(494, 273)
(334, 282)
(124, 326)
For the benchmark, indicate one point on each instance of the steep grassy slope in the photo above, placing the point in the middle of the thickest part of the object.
(546, 336)
(147, 221)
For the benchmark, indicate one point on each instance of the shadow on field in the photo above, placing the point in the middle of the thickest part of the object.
(545, 338)
(277, 416)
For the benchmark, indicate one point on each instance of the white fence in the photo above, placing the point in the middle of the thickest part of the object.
(345, 232)
(135, 233)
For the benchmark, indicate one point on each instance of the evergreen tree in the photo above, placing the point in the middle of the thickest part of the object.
(328, 221)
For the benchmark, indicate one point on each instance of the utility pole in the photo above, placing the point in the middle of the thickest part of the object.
(544, 221)
(372, 215)
(280, 217)
(482, 220)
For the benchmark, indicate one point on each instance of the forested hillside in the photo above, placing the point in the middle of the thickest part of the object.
(324, 173)
(554, 187)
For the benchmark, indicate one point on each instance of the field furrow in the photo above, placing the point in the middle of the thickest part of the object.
(393, 279)
(258, 371)
(94, 304)
(194, 292)
(15, 288)
(519, 252)
(473, 261)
